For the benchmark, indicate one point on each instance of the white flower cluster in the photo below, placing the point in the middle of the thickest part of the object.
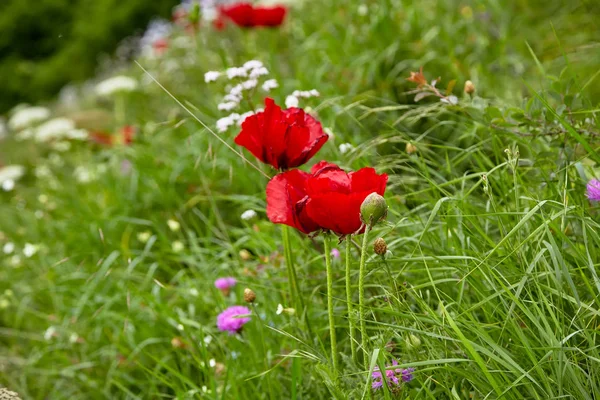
(345, 148)
(28, 116)
(116, 84)
(57, 129)
(244, 79)
(249, 215)
(9, 175)
(294, 99)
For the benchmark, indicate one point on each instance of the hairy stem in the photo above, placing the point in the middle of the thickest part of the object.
(333, 339)
(361, 293)
(349, 300)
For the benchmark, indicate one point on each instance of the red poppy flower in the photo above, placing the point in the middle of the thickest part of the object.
(160, 46)
(125, 136)
(284, 139)
(286, 200)
(245, 15)
(335, 196)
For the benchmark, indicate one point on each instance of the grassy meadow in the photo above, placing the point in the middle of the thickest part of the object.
(489, 288)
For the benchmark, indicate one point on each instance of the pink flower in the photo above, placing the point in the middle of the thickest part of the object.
(225, 284)
(593, 190)
(391, 376)
(233, 319)
(335, 253)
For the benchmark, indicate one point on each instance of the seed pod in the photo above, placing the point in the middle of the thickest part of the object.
(380, 246)
(249, 295)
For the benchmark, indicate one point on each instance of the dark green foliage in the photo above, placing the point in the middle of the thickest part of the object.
(48, 43)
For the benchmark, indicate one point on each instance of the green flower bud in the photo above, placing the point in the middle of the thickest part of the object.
(373, 209)
(412, 341)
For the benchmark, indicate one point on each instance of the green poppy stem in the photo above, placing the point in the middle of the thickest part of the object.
(361, 293)
(332, 339)
(351, 323)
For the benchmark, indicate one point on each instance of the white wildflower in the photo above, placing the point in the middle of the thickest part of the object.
(61, 146)
(29, 250)
(345, 148)
(291, 101)
(253, 64)
(83, 174)
(227, 106)
(73, 338)
(180, 327)
(173, 225)
(177, 246)
(306, 93)
(28, 116)
(116, 84)
(232, 98)
(236, 72)
(248, 215)
(8, 248)
(258, 72)
(453, 100)
(249, 84)
(50, 333)
(42, 171)
(207, 339)
(77, 134)
(270, 84)
(363, 10)
(143, 237)
(9, 175)
(25, 134)
(236, 90)
(15, 260)
(329, 132)
(54, 129)
(279, 309)
(211, 76)
(194, 292)
(212, 362)
(224, 123)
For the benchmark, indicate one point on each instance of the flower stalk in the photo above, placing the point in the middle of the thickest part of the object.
(361, 292)
(333, 339)
(351, 322)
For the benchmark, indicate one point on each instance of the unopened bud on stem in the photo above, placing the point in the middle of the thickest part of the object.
(249, 295)
(373, 209)
(380, 247)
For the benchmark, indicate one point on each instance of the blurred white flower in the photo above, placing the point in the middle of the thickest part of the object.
(306, 93)
(83, 174)
(248, 215)
(50, 333)
(279, 309)
(329, 132)
(236, 72)
(25, 134)
(116, 84)
(73, 338)
(363, 10)
(144, 236)
(42, 172)
(15, 260)
(177, 246)
(212, 362)
(28, 116)
(270, 84)
(29, 250)
(291, 101)
(453, 100)
(345, 147)
(77, 134)
(224, 123)
(194, 292)
(211, 76)
(61, 146)
(258, 72)
(232, 97)
(9, 175)
(249, 84)
(8, 248)
(227, 106)
(173, 225)
(253, 64)
(54, 129)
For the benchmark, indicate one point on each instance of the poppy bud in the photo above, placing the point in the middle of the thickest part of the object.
(411, 148)
(380, 247)
(249, 295)
(469, 87)
(373, 209)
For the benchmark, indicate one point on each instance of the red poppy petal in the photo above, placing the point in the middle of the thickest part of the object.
(367, 179)
(250, 136)
(241, 14)
(285, 200)
(268, 16)
(338, 212)
(321, 165)
(329, 179)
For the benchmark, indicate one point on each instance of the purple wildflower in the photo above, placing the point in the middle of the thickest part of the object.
(593, 190)
(230, 320)
(392, 375)
(225, 284)
(335, 253)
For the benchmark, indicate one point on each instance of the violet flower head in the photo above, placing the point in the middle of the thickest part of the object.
(593, 190)
(394, 377)
(225, 284)
(335, 253)
(233, 319)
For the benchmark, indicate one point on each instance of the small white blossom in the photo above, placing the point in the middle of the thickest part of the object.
(329, 132)
(248, 215)
(211, 76)
(25, 134)
(8, 185)
(207, 339)
(29, 250)
(212, 362)
(227, 106)
(236, 72)
(28, 116)
(15, 260)
(270, 84)
(54, 129)
(180, 327)
(236, 90)
(224, 123)
(345, 148)
(50, 333)
(249, 84)
(194, 292)
(306, 93)
(279, 309)
(363, 10)
(8, 248)
(453, 100)
(9, 175)
(177, 246)
(232, 98)
(258, 72)
(291, 101)
(116, 84)
(143, 237)
(73, 338)
(173, 225)
(83, 174)
(61, 146)
(253, 64)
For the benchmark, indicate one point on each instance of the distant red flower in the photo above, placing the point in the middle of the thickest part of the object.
(282, 138)
(160, 45)
(335, 196)
(125, 136)
(245, 15)
(326, 198)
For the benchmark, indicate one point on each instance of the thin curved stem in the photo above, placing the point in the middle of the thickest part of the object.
(361, 292)
(332, 338)
(349, 300)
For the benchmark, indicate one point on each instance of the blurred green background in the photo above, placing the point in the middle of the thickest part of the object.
(46, 44)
